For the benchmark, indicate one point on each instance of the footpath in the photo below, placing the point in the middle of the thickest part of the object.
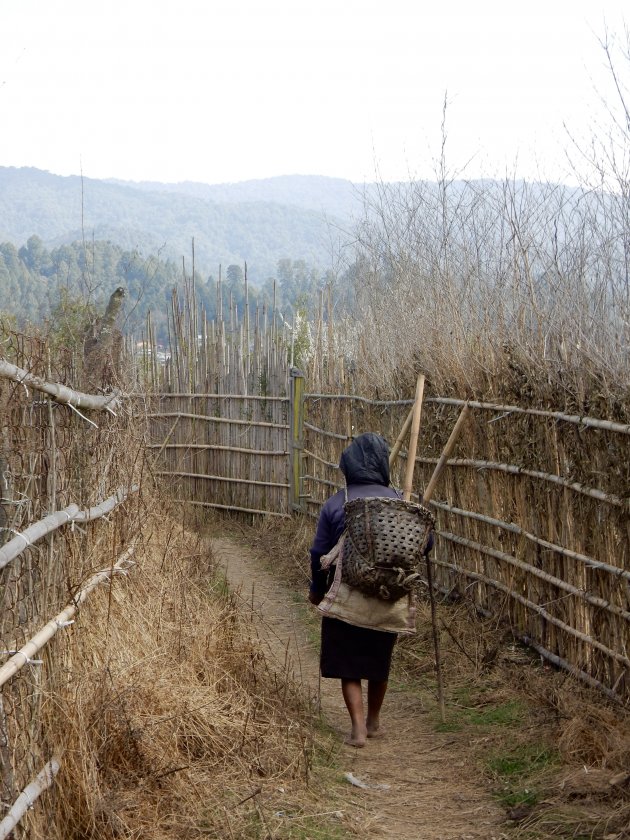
(419, 783)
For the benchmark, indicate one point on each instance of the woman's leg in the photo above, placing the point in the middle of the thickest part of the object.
(375, 695)
(353, 698)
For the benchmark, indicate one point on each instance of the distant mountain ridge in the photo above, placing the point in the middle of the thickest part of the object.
(333, 196)
(258, 222)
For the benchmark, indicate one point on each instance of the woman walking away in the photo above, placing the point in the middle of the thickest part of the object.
(348, 652)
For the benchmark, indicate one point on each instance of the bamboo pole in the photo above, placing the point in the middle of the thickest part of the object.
(217, 448)
(228, 479)
(210, 419)
(411, 460)
(43, 636)
(60, 393)
(533, 571)
(446, 453)
(599, 565)
(35, 532)
(214, 396)
(413, 439)
(50, 523)
(232, 508)
(536, 608)
(323, 432)
(399, 440)
(590, 422)
(107, 506)
(29, 795)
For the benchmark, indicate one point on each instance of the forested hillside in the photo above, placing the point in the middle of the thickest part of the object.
(229, 227)
(37, 283)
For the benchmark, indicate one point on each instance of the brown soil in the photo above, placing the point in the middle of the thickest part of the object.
(433, 791)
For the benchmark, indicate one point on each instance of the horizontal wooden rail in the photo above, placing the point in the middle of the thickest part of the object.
(590, 422)
(582, 594)
(197, 396)
(616, 571)
(35, 532)
(576, 419)
(357, 398)
(60, 393)
(29, 795)
(323, 481)
(556, 660)
(53, 521)
(43, 636)
(228, 479)
(217, 448)
(210, 419)
(107, 506)
(308, 454)
(559, 662)
(512, 469)
(325, 433)
(541, 611)
(233, 508)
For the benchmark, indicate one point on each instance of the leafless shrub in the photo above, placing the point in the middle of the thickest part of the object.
(453, 274)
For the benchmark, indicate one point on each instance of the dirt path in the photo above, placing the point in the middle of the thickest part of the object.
(432, 791)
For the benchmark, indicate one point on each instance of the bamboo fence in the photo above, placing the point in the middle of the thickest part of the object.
(219, 410)
(533, 528)
(532, 509)
(68, 470)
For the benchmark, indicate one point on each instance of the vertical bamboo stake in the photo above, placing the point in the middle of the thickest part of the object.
(413, 440)
(246, 326)
(297, 432)
(411, 460)
(52, 493)
(331, 340)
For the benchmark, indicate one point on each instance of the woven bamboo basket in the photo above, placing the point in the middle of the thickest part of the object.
(384, 545)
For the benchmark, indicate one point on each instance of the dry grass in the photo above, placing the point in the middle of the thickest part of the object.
(169, 720)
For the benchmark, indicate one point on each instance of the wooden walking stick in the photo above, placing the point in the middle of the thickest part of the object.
(428, 493)
(414, 417)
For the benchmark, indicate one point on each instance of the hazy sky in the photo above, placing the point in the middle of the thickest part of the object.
(227, 90)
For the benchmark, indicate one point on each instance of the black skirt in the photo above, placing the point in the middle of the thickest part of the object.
(355, 653)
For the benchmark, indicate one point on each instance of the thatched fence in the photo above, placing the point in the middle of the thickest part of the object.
(532, 511)
(68, 517)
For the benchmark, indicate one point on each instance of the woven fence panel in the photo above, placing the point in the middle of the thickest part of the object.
(532, 517)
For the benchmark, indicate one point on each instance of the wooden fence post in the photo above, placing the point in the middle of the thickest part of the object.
(297, 440)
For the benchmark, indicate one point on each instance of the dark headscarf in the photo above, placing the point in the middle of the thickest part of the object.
(366, 460)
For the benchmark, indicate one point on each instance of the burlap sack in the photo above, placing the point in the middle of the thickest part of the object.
(348, 604)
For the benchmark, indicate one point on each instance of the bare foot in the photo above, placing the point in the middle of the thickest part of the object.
(375, 733)
(355, 739)
(374, 730)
